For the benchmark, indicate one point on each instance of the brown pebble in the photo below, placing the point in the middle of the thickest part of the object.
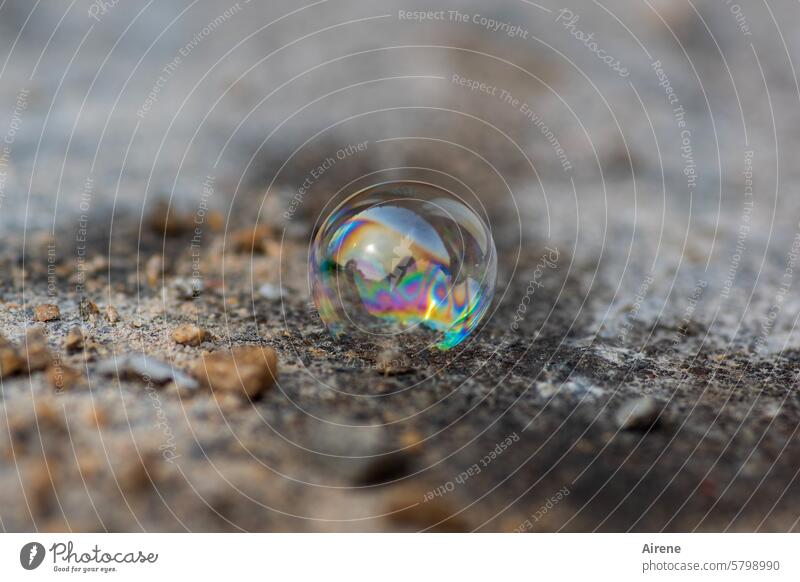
(187, 289)
(248, 371)
(10, 360)
(46, 312)
(392, 363)
(407, 508)
(35, 351)
(190, 335)
(252, 240)
(88, 309)
(167, 221)
(154, 270)
(639, 414)
(74, 340)
(112, 315)
(411, 441)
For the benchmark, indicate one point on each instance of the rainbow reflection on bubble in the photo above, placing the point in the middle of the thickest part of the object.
(402, 257)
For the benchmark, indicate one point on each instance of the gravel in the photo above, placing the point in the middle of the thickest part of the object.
(637, 272)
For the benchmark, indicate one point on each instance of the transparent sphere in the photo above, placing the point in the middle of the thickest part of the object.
(403, 258)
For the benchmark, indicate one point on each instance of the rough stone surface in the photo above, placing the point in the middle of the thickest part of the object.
(658, 264)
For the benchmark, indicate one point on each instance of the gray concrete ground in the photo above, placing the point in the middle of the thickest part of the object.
(648, 145)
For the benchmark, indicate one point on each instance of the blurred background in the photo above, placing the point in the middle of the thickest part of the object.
(169, 162)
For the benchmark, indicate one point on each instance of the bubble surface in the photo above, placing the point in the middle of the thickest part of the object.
(403, 258)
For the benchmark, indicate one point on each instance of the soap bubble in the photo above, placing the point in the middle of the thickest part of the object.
(403, 258)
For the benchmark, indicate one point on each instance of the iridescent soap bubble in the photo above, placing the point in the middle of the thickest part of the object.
(403, 258)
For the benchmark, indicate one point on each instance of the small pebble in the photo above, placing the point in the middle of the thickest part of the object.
(271, 292)
(88, 309)
(37, 354)
(247, 371)
(190, 335)
(141, 367)
(187, 289)
(46, 312)
(411, 441)
(74, 340)
(252, 240)
(639, 414)
(153, 270)
(392, 363)
(112, 315)
(407, 509)
(167, 221)
(10, 360)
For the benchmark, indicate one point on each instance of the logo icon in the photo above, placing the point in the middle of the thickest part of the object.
(31, 555)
